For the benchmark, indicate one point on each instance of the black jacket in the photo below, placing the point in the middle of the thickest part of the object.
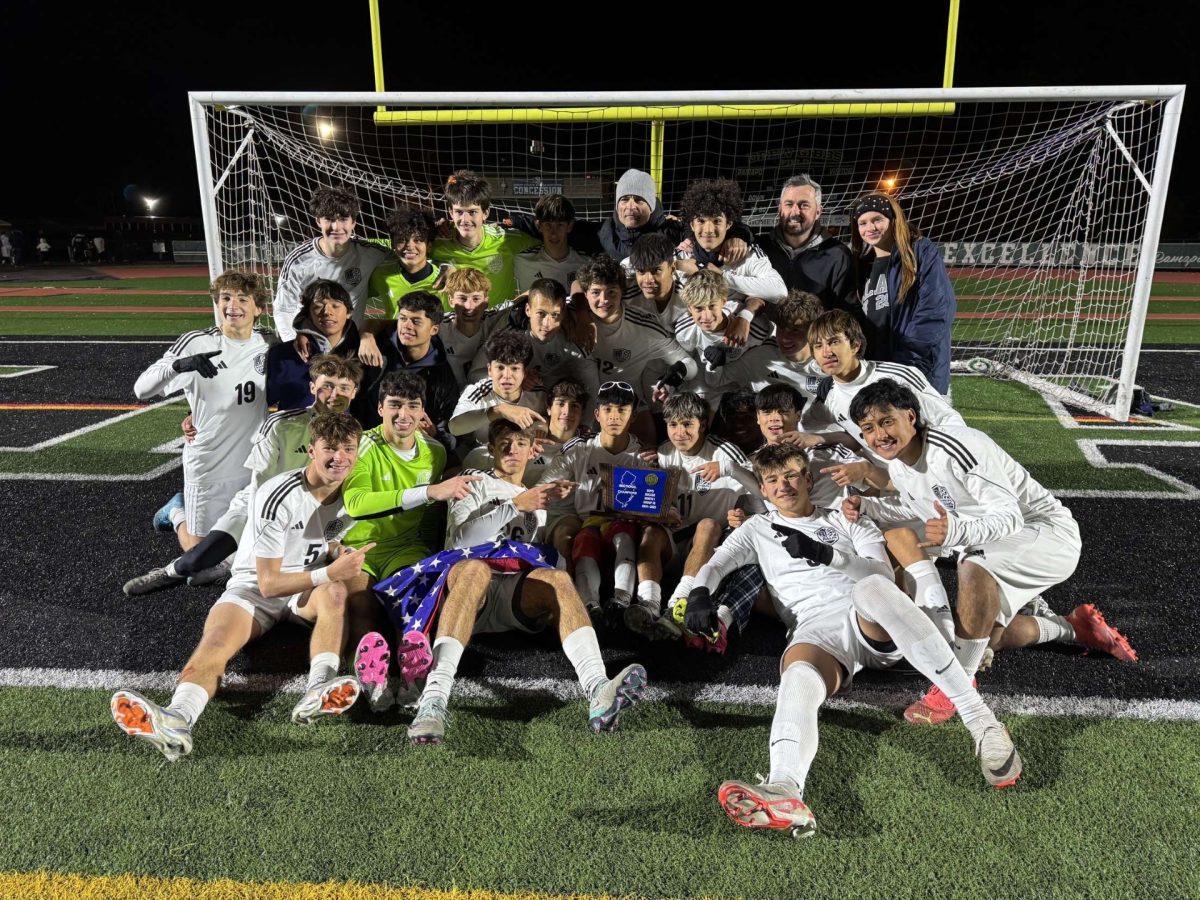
(441, 387)
(287, 373)
(823, 267)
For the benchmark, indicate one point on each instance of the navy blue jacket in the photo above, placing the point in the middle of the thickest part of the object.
(920, 325)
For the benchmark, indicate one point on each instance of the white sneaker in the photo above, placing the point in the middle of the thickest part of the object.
(767, 805)
(329, 698)
(998, 758)
(154, 580)
(167, 731)
(429, 726)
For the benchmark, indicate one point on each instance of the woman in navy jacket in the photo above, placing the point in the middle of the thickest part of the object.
(907, 298)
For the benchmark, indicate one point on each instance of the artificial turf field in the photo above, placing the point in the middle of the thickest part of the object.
(522, 798)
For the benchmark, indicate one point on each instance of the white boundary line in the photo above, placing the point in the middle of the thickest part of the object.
(26, 370)
(1092, 453)
(568, 690)
(58, 439)
(1068, 421)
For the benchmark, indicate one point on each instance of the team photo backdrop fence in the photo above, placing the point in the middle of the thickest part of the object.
(1081, 173)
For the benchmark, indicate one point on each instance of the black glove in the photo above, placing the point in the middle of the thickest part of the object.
(800, 546)
(199, 364)
(700, 617)
(674, 376)
(518, 315)
(715, 355)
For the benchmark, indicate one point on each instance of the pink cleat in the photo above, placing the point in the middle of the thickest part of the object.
(414, 656)
(1096, 634)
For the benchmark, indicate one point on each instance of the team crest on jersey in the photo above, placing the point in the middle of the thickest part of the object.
(553, 359)
(827, 534)
(334, 528)
(260, 364)
(353, 276)
(496, 263)
(811, 383)
(944, 498)
(622, 354)
(702, 486)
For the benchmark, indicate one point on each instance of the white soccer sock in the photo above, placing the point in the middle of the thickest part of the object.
(447, 651)
(686, 583)
(624, 567)
(169, 568)
(725, 614)
(587, 580)
(321, 668)
(794, 728)
(178, 516)
(878, 600)
(583, 650)
(969, 652)
(189, 701)
(930, 595)
(1054, 628)
(649, 593)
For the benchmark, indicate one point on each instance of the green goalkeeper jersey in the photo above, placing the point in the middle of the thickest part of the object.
(389, 282)
(494, 257)
(373, 495)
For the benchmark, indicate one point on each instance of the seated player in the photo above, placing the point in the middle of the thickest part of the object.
(702, 331)
(335, 254)
(715, 480)
(486, 247)
(324, 318)
(470, 324)
(413, 232)
(220, 371)
(568, 400)
(582, 534)
(501, 394)
(277, 447)
(415, 347)
(787, 358)
(712, 207)
(829, 581)
(481, 600)
(290, 567)
(554, 258)
(1014, 538)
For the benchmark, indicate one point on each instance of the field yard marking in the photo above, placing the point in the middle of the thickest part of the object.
(1092, 453)
(157, 310)
(65, 407)
(25, 370)
(568, 690)
(58, 439)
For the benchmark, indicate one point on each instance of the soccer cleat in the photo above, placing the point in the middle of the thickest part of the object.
(767, 805)
(329, 698)
(624, 690)
(1096, 634)
(414, 656)
(429, 724)
(708, 643)
(985, 661)
(640, 618)
(167, 731)
(371, 668)
(154, 580)
(162, 518)
(216, 575)
(933, 708)
(998, 758)
(1037, 607)
(665, 629)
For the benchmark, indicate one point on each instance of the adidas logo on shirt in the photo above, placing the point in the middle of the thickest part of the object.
(299, 526)
(221, 365)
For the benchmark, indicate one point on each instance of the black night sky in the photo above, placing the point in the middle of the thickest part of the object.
(95, 94)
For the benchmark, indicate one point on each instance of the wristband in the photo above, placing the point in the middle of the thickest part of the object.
(319, 576)
(746, 314)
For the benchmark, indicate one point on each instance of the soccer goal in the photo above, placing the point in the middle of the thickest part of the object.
(1046, 202)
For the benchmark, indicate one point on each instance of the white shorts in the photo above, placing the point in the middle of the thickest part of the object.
(502, 607)
(233, 521)
(1035, 559)
(206, 501)
(267, 611)
(838, 634)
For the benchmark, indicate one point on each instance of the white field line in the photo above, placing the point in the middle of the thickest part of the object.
(25, 370)
(568, 690)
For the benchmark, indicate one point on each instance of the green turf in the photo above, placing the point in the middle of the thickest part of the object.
(523, 796)
(200, 302)
(170, 283)
(125, 325)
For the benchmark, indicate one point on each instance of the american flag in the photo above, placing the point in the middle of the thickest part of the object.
(412, 595)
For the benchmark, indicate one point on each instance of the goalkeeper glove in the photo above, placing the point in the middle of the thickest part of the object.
(700, 617)
(800, 546)
(200, 364)
(674, 376)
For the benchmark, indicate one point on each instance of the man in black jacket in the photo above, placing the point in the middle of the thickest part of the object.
(807, 256)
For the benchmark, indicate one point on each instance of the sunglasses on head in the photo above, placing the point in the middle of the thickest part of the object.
(619, 385)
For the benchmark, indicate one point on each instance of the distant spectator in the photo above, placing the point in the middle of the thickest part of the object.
(43, 248)
(6, 258)
(159, 248)
(98, 243)
(17, 237)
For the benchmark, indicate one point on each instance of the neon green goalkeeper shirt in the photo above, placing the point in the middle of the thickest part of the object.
(389, 282)
(373, 494)
(493, 257)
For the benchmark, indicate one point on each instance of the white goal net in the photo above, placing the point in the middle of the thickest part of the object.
(1046, 203)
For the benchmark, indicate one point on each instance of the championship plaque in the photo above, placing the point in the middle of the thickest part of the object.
(638, 493)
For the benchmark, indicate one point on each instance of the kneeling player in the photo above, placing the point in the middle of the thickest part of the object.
(829, 580)
(1015, 539)
(289, 567)
(481, 600)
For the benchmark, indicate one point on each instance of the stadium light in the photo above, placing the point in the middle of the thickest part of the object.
(888, 183)
(150, 204)
(325, 129)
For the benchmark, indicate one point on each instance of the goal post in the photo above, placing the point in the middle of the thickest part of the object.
(1045, 202)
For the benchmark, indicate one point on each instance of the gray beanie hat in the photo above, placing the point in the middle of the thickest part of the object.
(639, 184)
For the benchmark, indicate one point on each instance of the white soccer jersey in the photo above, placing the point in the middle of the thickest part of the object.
(936, 411)
(470, 417)
(764, 365)
(488, 513)
(554, 359)
(227, 409)
(638, 350)
(534, 263)
(281, 443)
(802, 592)
(306, 263)
(700, 499)
(580, 461)
(481, 458)
(713, 382)
(462, 350)
(987, 494)
(288, 524)
(754, 276)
